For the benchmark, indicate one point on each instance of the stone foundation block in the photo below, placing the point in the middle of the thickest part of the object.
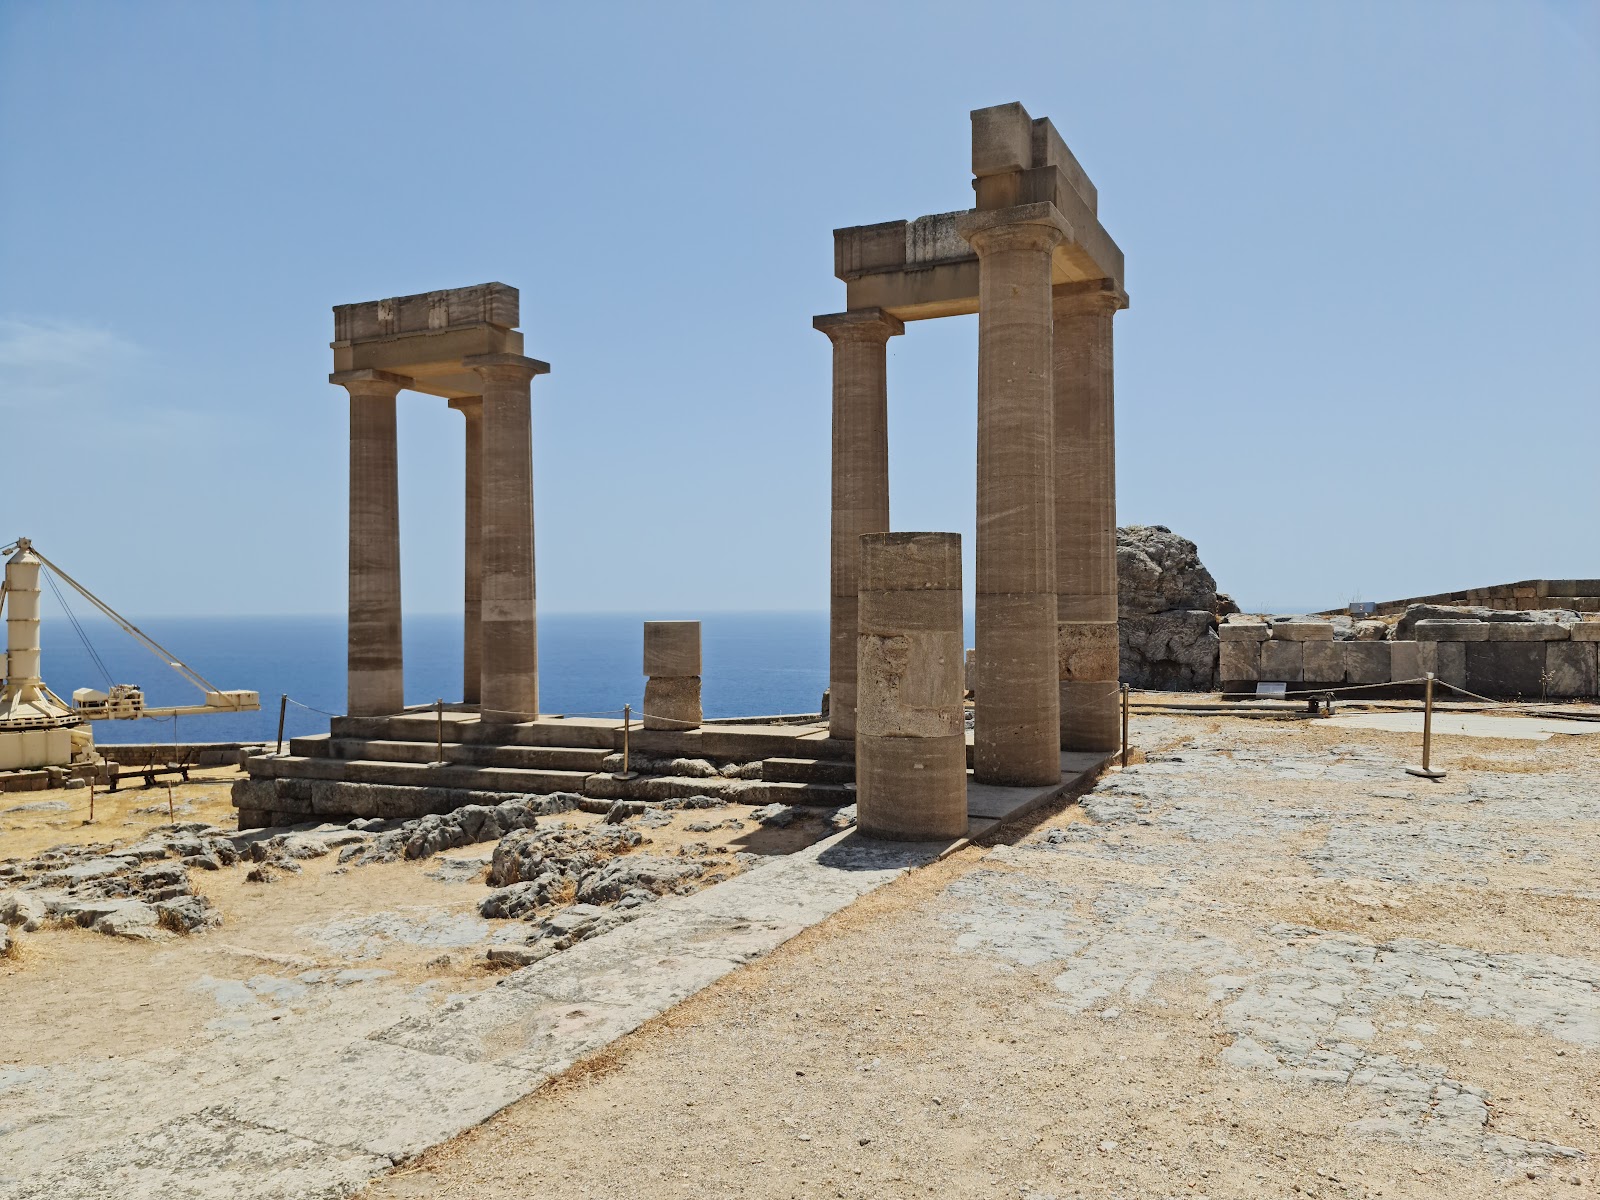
(1243, 631)
(1506, 669)
(1367, 662)
(1283, 662)
(1452, 631)
(1240, 660)
(1526, 631)
(1405, 660)
(1326, 662)
(1302, 631)
(1585, 631)
(1447, 661)
(1571, 669)
(672, 703)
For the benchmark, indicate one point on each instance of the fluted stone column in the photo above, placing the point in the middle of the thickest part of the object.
(376, 679)
(1086, 514)
(509, 691)
(860, 484)
(471, 407)
(1018, 710)
(911, 744)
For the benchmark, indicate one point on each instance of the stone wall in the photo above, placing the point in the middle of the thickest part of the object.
(1574, 595)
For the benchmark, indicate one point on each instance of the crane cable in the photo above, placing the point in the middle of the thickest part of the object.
(49, 577)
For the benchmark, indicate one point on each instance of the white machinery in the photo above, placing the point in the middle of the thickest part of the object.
(37, 728)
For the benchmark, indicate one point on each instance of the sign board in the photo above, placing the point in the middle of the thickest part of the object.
(1363, 608)
(1278, 690)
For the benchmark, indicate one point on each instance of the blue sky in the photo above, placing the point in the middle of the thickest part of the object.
(1361, 241)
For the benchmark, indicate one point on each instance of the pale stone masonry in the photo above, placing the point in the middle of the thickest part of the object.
(911, 740)
(461, 345)
(672, 675)
(1033, 261)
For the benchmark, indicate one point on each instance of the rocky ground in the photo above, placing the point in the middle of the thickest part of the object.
(1265, 962)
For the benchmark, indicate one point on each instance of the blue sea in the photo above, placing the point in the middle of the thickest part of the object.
(753, 663)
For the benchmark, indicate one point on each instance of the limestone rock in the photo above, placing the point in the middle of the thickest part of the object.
(187, 914)
(650, 872)
(1158, 571)
(1171, 651)
(775, 815)
(1167, 604)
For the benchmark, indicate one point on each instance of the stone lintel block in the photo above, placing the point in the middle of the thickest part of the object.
(672, 649)
(1405, 660)
(933, 239)
(867, 249)
(1445, 661)
(1526, 631)
(1571, 669)
(1367, 662)
(1283, 662)
(1452, 631)
(1050, 150)
(424, 312)
(531, 365)
(1244, 631)
(1240, 661)
(1302, 631)
(1325, 662)
(1585, 631)
(1002, 139)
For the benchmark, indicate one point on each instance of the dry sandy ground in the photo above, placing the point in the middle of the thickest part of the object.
(1266, 963)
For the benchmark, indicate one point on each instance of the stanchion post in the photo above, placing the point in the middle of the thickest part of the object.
(1126, 692)
(91, 802)
(438, 713)
(627, 735)
(283, 708)
(1426, 771)
(172, 817)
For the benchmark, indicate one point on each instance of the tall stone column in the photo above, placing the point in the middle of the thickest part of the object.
(376, 679)
(471, 407)
(509, 691)
(1086, 514)
(860, 484)
(1018, 708)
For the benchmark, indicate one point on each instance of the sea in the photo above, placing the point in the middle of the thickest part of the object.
(753, 664)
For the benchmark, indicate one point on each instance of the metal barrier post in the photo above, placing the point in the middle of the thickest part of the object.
(283, 708)
(438, 712)
(1126, 693)
(1426, 771)
(627, 733)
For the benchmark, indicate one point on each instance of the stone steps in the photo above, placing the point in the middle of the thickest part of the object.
(534, 758)
(808, 770)
(465, 728)
(815, 795)
(463, 778)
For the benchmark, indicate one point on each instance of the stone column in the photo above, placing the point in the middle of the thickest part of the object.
(1018, 710)
(672, 670)
(1086, 514)
(860, 484)
(509, 691)
(376, 679)
(471, 407)
(911, 737)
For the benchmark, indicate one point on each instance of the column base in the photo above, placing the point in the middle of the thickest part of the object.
(1091, 715)
(911, 789)
(491, 716)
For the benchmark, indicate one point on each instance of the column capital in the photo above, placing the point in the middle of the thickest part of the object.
(467, 405)
(859, 325)
(368, 382)
(1087, 297)
(507, 368)
(1023, 227)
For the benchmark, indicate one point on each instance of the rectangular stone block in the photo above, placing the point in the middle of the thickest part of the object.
(671, 649)
(1367, 662)
(1585, 631)
(1452, 631)
(1571, 669)
(1246, 631)
(1525, 631)
(1506, 669)
(1302, 631)
(1283, 662)
(1240, 661)
(867, 249)
(1447, 661)
(427, 312)
(1325, 662)
(1405, 660)
(1050, 150)
(1002, 139)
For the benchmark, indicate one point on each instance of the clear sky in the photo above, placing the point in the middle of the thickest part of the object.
(1362, 247)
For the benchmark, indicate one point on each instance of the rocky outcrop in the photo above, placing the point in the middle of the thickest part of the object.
(1167, 607)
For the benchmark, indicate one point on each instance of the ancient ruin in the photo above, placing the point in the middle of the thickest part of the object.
(1032, 260)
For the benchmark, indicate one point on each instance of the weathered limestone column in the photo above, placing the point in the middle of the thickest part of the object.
(376, 679)
(911, 737)
(860, 484)
(1086, 514)
(509, 691)
(1018, 711)
(471, 407)
(672, 670)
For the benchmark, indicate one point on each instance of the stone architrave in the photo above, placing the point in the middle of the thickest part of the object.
(1017, 739)
(672, 670)
(471, 407)
(510, 680)
(911, 743)
(860, 484)
(376, 669)
(1086, 513)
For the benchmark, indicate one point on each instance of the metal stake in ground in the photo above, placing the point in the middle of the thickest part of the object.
(283, 707)
(1126, 692)
(438, 714)
(627, 731)
(1425, 771)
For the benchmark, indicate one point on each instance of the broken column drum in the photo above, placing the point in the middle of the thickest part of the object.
(911, 742)
(672, 670)
(1032, 260)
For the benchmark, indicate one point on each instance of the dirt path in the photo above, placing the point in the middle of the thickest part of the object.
(1264, 963)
